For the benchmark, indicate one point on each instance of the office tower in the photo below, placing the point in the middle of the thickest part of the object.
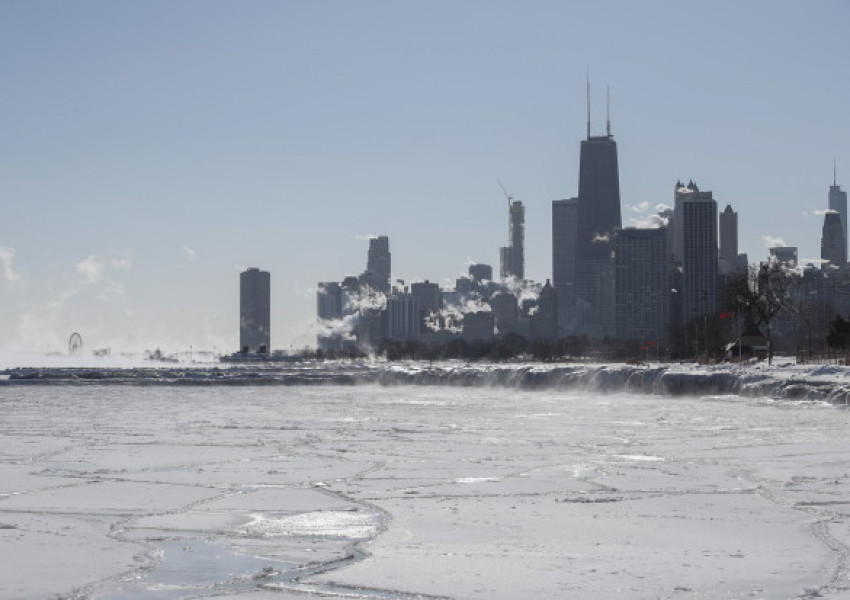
(512, 256)
(429, 300)
(597, 218)
(695, 245)
(329, 306)
(728, 261)
(784, 255)
(838, 203)
(505, 313)
(404, 320)
(254, 311)
(641, 289)
(545, 319)
(428, 295)
(377, 274)
(480, 272)
(329, 301)
(564, 215)
(833, 241)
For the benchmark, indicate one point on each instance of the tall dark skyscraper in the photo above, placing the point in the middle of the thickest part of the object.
(695, 247)
(597, 219)
(254, 311)
(513, 255)
(564, 214)
(838, 203)
(641, 295)
(833, 240)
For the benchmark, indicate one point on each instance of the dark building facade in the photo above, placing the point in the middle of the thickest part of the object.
(641, 294)
(512, 256)
(378, 264)
(833, 241)
(597, 218)
(696, 249)
(564, 227)
(254, 311)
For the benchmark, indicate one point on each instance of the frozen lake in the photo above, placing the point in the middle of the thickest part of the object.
(141, 492)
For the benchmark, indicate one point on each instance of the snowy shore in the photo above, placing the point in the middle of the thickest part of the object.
(784, 380)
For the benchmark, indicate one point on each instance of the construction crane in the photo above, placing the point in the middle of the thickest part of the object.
(509, 196)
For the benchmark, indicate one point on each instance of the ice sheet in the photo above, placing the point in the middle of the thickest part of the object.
(405, 491)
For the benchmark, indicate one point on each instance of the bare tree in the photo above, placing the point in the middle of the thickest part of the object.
(766, 291)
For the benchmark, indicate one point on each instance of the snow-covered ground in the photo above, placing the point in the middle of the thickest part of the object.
(123, 489)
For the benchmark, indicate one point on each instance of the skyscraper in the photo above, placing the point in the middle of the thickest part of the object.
(545, 320)
(833, 241)
(728, 262)
(564, 214)
(838, 203)
(785, 255)
(641, 270)
(254, 311)
(513, 255)
(597, 218)
(695, 246)
(378, 264)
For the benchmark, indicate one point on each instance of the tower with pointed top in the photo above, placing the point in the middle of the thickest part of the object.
(728, 262)
(838, 203)
(597, 219)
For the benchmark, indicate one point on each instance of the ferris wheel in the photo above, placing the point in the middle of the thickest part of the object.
(75, 344)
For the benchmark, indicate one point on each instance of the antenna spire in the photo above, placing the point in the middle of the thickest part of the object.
(833, 173)
(608, 109)
(588, 103)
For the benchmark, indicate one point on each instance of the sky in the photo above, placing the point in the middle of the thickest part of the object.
(150, 151)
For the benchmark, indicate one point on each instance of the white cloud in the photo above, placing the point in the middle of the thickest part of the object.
(642, 207)
(190, 253)
(826, 211)
(661, 207)
(6, 256)
(91, 268)
(771, 241)
(365, 238)
(650, 222)
(123, 262)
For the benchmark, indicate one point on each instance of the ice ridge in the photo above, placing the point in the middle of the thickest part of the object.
(830, 384)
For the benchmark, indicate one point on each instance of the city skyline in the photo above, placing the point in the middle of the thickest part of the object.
(138, 178)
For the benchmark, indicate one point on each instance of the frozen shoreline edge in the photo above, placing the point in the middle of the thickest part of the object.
(813, 383)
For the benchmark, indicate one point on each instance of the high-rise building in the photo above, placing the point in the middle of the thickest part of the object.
(512, 256)
(833, 241)
(784, 255)
(564, 215)
(838, 203)
(545, 319)
(329, 301)
(597, 218)
(641, 292)
(696, 250)
(404, 320)
(378, 264)
(254, 311)
(329, 307)
(728, 261)
(504, 307)
(480, 272)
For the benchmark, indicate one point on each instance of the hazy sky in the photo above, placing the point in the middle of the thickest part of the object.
(151, 150)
